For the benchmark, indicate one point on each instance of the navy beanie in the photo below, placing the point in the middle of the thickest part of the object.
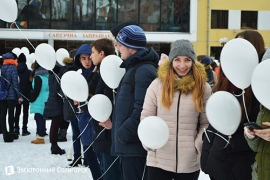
(132, 37)
(115, 30)
(206, 60)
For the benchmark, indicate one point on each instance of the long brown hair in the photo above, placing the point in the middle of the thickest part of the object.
(197, 94)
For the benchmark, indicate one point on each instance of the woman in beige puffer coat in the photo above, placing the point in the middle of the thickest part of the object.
(178, 96)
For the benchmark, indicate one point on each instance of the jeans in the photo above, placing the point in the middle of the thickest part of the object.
(86, 127)
(40, 121)
(92, 161)
(114, 173)
(134, 168)
(75, 135)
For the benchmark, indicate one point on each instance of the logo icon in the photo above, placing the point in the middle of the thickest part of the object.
(9, 170)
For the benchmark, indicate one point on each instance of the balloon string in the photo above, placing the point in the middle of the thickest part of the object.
(90, 144)
(144, 171)
(56, 77)
(108, 168)
(228, 141)
(59, 80)
(22, 34)
(114, 92)
(86, 102)
(244, 103)
(245, 107)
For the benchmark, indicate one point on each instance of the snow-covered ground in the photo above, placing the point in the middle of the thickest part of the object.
(21, 160)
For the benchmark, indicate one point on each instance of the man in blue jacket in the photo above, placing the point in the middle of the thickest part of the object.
(128, 103)
(83, 61)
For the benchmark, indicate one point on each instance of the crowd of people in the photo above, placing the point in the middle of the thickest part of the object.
(174, 87)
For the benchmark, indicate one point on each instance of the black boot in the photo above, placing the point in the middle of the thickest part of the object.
(62, 135)
(85, 163)
(25, 132)
(76, 162)
(8, 138)
(15, 136)
(55, 149)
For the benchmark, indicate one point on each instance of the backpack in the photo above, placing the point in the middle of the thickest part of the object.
(134, 69)
(3, 87)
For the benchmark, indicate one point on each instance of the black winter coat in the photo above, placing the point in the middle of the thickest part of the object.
(98, 86)
(25, 84)
(233, 162)
(128, 104)
(54, 104)
(69, 109)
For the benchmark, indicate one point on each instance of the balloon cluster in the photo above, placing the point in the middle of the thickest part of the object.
(239, 62)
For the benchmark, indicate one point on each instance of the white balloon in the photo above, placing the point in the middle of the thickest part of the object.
(111, 72)
(238, 60)
(260, 83)
(223, 112)
(45, 56)
(153, 132)
(60, 55)
(9, 10)
(25, 51)
(17, 51)
(74, 85)
(100, 107)
(30, 58)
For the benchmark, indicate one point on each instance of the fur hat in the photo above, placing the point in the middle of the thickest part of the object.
(182, 48)
(132, 37)
(115, 30)
(22, 58)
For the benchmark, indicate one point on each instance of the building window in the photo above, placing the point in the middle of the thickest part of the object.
(128, 10)
(106, 14)
(84, 11)
(150, 15)
(249, 19)
(175, 15)
(219, 19)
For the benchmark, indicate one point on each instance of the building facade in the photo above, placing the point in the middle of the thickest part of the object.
(69, 23)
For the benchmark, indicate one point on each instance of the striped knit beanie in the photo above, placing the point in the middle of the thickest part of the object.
(132, 37)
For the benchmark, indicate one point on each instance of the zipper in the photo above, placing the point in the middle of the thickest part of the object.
(178, 104)
(263, 152)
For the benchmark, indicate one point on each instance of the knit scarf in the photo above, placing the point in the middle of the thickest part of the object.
(10, 61)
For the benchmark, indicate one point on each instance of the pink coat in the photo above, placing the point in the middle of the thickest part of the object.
(182, 155)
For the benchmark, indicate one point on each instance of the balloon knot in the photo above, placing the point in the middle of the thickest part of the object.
(230, 136)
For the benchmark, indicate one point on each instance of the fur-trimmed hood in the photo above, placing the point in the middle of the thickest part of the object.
(184, 84)
(67, 61)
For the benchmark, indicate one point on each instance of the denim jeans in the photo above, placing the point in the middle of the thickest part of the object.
(40, 121)
(86, 127)
(114, 172)
(75, 135)
(91, 158)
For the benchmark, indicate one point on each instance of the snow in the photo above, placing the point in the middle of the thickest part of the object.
(35, 161)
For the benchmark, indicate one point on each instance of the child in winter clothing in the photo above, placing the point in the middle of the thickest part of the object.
(9, 72)
(38, 97)
(25, 87)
